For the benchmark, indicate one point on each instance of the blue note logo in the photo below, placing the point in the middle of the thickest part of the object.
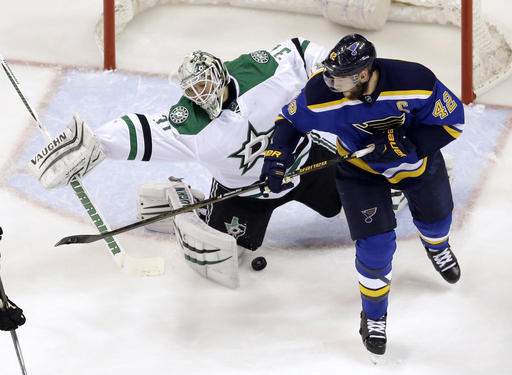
(353, 48)
(369, 214)
(380, 125)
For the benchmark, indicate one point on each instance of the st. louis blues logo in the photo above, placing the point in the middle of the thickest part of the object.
(353, 48)
(368, 214)
(382, 124)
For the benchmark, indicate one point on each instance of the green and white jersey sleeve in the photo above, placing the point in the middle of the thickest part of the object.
(295, 59)
(305, 54)
(167, 137)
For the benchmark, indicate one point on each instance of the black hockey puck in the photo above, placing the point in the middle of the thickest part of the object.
(259, 263)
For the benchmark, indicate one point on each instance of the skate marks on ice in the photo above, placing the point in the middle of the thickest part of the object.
(103, 96)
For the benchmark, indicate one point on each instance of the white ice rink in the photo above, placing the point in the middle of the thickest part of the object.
(298, 316)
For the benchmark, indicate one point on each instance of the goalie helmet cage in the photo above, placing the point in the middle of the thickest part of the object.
(486, 52)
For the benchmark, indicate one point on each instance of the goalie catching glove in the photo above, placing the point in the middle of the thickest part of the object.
(74, 152)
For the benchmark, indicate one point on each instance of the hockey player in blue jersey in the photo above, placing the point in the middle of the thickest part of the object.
(409, 115)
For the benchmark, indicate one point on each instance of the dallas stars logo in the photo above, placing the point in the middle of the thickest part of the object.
(252, 149)
(235, 228)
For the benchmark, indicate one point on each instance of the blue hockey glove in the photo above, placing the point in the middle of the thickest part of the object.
(11, 317)
(276, 161)
(390, 146)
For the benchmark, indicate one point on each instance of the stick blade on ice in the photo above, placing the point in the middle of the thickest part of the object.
(80, 238)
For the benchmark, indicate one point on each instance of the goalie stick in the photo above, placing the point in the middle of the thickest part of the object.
(88, 238)
(134, 266)
(4, 303)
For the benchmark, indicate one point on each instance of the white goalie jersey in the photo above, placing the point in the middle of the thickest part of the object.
(230, 146)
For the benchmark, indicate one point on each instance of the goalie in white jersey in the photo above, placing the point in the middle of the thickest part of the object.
(224, 121)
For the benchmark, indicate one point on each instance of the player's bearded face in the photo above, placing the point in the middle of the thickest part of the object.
(351, 86)
(355, 92)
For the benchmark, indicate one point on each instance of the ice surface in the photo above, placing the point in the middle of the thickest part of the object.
(299, 315)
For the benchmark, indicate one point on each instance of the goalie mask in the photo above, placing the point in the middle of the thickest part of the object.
(203, 78)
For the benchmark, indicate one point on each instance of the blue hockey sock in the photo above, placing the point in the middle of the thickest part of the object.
(435, 235)
(373, 263)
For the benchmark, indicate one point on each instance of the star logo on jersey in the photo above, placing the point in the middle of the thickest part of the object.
(253, 147)
(379, 125)
(235, 228)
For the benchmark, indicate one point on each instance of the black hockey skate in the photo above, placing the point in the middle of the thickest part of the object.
(373, 333)
(445, 263)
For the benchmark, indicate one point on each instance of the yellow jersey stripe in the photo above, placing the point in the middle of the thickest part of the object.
(328, 104)
(407, 174)
(374, 293)
(395, 179)
(436, 241)
(454, 133)
(405, 93)
(401, 94)
(357, 162)
(316, 72)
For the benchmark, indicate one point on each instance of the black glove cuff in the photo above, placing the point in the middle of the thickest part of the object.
(281, 154)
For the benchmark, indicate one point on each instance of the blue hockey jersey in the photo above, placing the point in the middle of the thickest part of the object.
(407, 95)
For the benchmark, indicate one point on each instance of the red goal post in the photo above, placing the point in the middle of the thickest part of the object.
(486, 52)
(109, 32)
(467, 90)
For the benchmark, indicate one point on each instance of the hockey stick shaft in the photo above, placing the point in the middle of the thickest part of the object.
(81, 193)
(88, 238)
(14, 336)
